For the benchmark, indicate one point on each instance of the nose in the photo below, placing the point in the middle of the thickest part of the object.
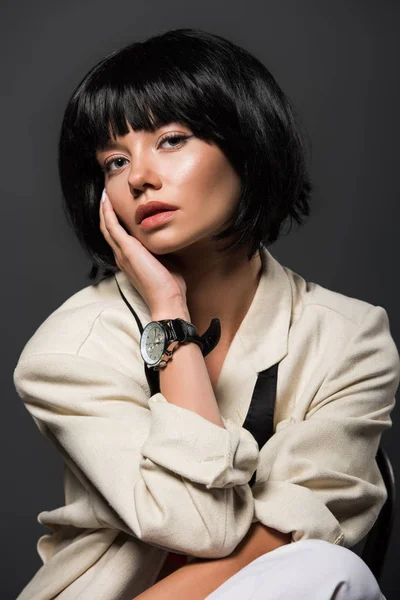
(143, 173)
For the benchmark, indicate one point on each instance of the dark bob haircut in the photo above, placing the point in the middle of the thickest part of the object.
(223, 94)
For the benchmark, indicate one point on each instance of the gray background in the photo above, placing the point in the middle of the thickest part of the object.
(338, 62)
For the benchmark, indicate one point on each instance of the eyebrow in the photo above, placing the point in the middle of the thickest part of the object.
(111, 146)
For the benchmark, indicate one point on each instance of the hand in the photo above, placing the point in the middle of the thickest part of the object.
(154, 278)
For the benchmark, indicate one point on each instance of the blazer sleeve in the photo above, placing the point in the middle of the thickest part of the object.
(165, 474)
(318, 477)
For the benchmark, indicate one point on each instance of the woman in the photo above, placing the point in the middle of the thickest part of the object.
(218, 415)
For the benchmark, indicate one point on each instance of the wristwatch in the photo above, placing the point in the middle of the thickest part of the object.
(159, 339)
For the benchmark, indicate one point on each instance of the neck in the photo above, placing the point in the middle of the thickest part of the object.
(220, 286)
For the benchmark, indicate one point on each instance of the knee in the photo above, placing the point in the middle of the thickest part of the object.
(346, 572)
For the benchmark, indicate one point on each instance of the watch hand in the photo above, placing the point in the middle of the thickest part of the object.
(155, 344)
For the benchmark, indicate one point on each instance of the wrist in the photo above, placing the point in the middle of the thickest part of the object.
(172, 310)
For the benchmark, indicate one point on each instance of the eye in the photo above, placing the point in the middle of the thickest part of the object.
(108, 163)
(173, 138)
(167, 138)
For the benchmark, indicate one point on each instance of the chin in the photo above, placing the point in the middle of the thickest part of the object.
(167, 241)
(161, 247)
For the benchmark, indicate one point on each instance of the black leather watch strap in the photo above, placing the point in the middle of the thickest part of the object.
(182, 331)
(212, 336)
(186, 331)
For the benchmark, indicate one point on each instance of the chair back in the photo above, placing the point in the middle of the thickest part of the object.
(377, 540)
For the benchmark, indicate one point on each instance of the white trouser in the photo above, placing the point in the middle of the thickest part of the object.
(305, 570)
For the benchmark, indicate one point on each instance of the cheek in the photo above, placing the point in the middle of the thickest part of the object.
(221, 192)
(208, 176)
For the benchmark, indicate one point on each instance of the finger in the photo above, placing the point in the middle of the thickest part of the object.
(113, 226)
(104, 229)
(108, 238)
(122, 242)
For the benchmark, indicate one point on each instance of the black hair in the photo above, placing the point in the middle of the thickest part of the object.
(224, 94)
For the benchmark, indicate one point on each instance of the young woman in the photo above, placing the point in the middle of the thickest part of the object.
(218, 415)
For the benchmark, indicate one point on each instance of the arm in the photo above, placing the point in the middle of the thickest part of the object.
(157, 471)
(200, 577)
(185, 381)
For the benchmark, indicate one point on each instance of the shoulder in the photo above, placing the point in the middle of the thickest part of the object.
(94, 322)
(330, 316)
(310, 297)
(339, 347)
(327, 325)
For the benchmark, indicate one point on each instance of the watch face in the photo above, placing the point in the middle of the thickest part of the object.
(152, 343)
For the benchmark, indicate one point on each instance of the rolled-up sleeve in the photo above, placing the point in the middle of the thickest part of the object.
(167, 475)
(318, 476)
(184, 442)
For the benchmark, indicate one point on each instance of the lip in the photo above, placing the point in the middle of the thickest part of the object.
(150, 208)
(157, 219)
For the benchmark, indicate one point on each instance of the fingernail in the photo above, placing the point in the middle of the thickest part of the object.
(103, 195)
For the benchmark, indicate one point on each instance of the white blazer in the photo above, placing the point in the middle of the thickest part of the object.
(143, 476)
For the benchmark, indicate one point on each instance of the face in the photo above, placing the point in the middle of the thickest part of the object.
(186, 172)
